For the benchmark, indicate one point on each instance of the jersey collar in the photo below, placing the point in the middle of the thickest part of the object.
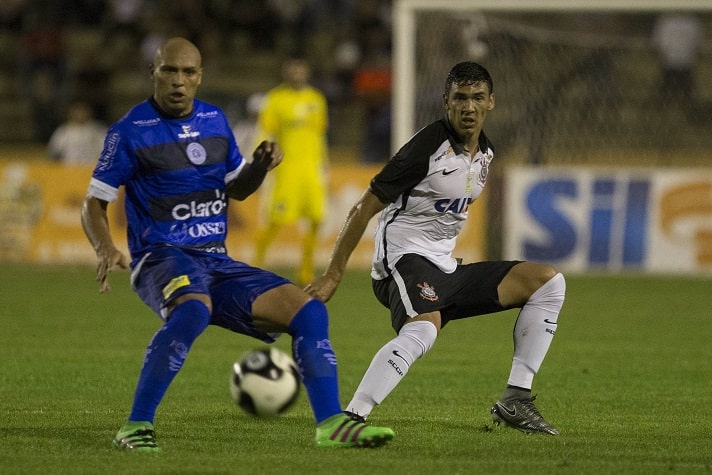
(163, 115)
(458, 145)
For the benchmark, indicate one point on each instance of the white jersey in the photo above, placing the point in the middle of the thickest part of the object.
(429, 185)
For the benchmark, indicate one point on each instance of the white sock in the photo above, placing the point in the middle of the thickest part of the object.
(390, 364)
(534, 330)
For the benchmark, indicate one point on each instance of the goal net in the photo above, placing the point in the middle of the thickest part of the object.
(575, 81)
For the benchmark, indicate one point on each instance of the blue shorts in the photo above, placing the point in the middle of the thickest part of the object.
(166, 273)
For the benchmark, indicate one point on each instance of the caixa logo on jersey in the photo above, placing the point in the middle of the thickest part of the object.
(457, 205)
(586, 220)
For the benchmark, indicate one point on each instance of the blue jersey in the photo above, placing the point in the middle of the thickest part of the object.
(174, 172)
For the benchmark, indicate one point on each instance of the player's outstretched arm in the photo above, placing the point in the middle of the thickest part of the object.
(96, 227)
(324, 287)
(267, 155)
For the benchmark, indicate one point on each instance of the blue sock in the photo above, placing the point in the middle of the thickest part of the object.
(317, 362)
(165, 356)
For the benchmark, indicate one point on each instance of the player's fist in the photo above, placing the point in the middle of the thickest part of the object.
(322, 288)
(267, 155)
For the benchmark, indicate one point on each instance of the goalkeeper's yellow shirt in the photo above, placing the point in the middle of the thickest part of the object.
(297, 120)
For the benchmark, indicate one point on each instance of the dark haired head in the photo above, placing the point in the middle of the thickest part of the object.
(468, 73)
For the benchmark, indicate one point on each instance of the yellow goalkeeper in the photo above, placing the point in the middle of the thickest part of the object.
(295, 115)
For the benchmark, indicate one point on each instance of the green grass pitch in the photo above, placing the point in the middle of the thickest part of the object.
(628, 382)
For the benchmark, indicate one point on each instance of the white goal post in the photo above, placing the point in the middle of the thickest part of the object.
(410, 19)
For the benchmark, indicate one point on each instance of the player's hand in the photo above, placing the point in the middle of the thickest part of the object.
(268, 155)
(322, 288)
(108, 261)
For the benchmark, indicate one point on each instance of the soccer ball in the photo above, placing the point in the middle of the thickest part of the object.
(265, 382)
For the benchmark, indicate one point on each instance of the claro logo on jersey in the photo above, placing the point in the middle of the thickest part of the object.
(198, 210)
(202, 204)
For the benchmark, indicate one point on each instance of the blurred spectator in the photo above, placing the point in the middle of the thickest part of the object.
(291, 20)
(43, 42)
(124, 28)
(372, 84)
(11, 14)
(256, 18)
(161, 28)
(85, 12)
(678, 38)
(43, 64)
(372, 78)
(80, 139)
(245, 128)
(346, 58)
(372, 22)
(10, 28)
(337, 14)
(197, 21)
(91, 81)
(44, 100)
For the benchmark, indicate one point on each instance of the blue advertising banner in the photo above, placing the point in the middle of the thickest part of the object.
(595, 219)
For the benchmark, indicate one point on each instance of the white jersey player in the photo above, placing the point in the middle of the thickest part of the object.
(423, 195)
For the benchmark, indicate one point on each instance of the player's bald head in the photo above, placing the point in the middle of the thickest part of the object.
(176, 74)
(177, 47)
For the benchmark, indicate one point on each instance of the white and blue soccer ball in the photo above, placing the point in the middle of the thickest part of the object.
(265, 382)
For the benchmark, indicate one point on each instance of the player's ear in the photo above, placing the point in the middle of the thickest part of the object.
(445, 101)
(490, 106)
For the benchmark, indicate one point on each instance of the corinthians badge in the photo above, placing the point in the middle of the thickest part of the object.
(428, 292)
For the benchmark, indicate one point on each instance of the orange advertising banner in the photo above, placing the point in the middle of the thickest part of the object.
(40, 205)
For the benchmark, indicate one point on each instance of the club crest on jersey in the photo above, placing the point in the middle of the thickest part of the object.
(428, 292)
(196, 153)
(485, 161)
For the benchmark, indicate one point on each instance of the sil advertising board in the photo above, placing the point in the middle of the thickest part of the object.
(580, 219)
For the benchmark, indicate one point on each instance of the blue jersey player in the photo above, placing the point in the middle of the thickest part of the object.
(179, 164)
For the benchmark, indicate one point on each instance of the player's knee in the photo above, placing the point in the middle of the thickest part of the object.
(419, 337)
(317, 311)
(543, 274)
(523, 281)
(202, 298)
(534, 276)
(192, 315)
(558, 284)
(551, 294)
(312, 318)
